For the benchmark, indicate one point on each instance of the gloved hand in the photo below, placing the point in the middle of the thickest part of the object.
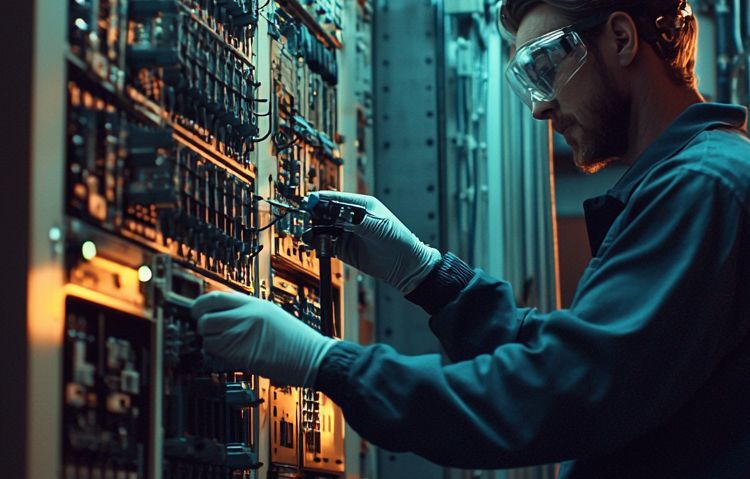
(382, 246)
(258, 336)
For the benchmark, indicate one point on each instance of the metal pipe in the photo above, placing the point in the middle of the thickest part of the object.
(729, 51)
(739, 95)
(723, 56)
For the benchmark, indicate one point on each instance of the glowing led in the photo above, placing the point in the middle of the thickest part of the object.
(55, 234)
(88, 250)
(144, 274)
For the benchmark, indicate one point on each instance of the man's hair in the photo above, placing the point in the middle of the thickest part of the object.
(676, 47)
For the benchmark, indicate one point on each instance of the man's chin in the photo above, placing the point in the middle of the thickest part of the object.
(592, 164)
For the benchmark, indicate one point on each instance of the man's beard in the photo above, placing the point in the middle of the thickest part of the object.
(607, 140)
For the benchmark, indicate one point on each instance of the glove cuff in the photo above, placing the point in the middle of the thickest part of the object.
(427, 257)
(449, 276)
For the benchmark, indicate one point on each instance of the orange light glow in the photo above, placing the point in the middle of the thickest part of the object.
(104, 300)
(46, 306)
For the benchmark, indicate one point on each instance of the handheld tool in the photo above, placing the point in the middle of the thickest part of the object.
(328, 218)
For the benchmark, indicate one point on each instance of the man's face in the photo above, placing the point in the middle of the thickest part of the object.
(590, 111)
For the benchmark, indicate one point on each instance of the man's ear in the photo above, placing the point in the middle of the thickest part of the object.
(624, 37)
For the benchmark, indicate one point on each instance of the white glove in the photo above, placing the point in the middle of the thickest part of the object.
(382, 246)
(257, 336)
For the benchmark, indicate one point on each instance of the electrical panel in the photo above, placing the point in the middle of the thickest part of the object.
(304, 76)
(181, 118)
(208, 409)
(307, 427)
(106, 393)
(145, 182)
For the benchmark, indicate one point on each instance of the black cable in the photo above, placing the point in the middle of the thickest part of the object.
(271, 126)
(286, 210)
(274, 222)
(273, 114)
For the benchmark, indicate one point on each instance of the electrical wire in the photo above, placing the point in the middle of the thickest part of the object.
(268, 113)
(273, 223)
(282, 206)
(285, 210)
(272, 123)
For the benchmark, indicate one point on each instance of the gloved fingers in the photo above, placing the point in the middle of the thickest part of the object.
(365, 201)
(217, 301)
(216, 346)
(343, 244)
(308, 237)
(372, 227)
(346, 245)
(350, 248)
(222, 321)
(362, 228)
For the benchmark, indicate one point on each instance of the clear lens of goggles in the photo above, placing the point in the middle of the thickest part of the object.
(542, 67)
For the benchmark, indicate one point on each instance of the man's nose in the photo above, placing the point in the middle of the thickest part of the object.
(542, 110)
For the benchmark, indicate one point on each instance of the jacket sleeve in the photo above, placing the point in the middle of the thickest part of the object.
(650, 322)
(450, 291)
(481, 318)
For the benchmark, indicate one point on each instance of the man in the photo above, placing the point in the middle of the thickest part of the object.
(648, 373)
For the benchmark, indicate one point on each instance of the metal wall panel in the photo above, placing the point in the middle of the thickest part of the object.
(45, 302)
(407, 173)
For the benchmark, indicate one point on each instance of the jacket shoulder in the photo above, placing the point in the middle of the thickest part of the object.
(723, 154)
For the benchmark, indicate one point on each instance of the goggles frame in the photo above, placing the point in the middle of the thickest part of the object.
(542, 66)
(663, 28)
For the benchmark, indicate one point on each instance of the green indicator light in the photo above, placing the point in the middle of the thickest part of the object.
(88, 250)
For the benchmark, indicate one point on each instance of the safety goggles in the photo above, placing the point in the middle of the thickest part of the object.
(543, 66)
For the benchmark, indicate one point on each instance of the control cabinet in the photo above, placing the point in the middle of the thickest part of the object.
(178, 119)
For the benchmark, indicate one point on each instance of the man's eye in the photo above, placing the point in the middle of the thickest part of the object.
(545, 69)
(543, 62)
(531, 72)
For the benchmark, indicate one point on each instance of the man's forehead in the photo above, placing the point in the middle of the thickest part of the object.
(540, 20)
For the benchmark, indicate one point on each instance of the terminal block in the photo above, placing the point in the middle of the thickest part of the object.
(307, 427)
(305, 142)
(205, 86)
(235, 21)
(208, 407)
(107, 384)
(148, 183)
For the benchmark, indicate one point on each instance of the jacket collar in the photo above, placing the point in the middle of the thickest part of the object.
(602, 211)
(693, 121)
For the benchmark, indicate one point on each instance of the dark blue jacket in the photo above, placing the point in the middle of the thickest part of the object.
(647, 375)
